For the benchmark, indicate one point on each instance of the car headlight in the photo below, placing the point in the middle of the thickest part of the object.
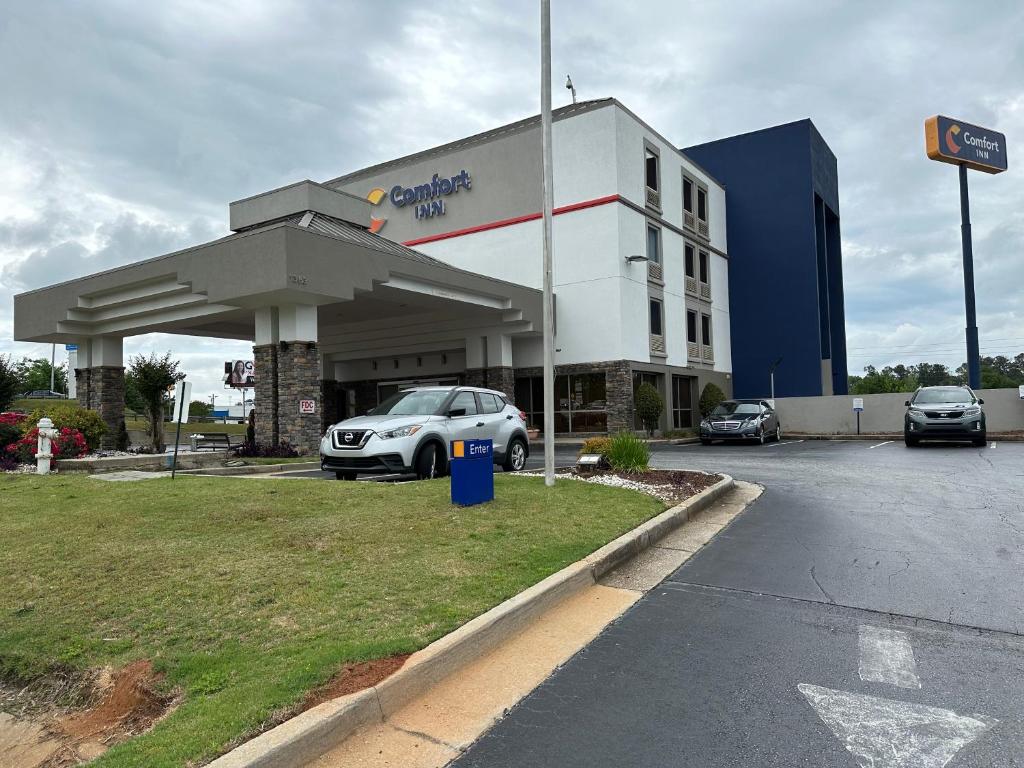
(972, 412)
(399, 432)
(917, 414)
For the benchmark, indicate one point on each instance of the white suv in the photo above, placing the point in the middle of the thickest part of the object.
(409, 433)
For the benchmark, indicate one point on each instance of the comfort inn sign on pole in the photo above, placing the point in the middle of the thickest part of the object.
(954, 141)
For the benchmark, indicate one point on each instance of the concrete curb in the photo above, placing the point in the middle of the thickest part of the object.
(308, 735)
(895, 436)
(255, 469)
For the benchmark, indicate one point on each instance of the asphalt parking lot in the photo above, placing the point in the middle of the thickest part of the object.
(866, 610)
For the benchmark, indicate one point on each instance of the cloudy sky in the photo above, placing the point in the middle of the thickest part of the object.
(126, 127)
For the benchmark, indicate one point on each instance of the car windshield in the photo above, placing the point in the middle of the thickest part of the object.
(736, 409)
(951, 395)
(412, 403)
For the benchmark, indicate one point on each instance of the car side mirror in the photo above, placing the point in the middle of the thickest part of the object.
(906, 402)
(980, 401)
(453, 412)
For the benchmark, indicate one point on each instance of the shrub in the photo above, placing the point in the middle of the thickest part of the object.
(628, 453)
(710, 399)
(122, 441)
(16, 420)
(649, 405)
(72, 416)
(282, 450)
(68, 444)
(598, 445)
(9, 383)
(8, 434)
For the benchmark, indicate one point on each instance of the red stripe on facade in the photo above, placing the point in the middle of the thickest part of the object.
(516, 220)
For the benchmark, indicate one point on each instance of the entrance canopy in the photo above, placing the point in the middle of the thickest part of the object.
(300, 267)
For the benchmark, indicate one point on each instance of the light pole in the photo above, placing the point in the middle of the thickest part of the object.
(549, 197)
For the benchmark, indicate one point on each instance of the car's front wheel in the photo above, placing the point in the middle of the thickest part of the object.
(980, 442)
(705, 441)
(428, 463)
(911, 442)
(515, 457)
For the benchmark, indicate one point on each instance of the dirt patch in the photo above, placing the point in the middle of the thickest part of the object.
(123, 704)
(353, 678)
(130, 705)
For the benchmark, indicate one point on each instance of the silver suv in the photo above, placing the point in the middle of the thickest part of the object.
(409, 433)
(944, 413)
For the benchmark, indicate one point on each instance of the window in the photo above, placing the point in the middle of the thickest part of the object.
(488, 403)
(691, 326)
(464, 400)
(682, 403)
(651, 168)
(689, 261)
(655, 317)
(705, 330)
(687, 194)
(653, 245)
(580, 402)
(702, 204)
(704, 267)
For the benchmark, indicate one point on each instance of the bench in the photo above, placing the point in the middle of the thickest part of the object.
(214, 441)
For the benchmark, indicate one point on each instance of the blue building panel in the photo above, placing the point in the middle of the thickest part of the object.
(785, 259)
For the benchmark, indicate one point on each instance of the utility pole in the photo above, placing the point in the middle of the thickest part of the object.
(549, 202)
(53, 361)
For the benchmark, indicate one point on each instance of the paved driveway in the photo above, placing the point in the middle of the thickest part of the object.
(867, 610)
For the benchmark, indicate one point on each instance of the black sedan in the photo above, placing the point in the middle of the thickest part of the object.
(741, 420)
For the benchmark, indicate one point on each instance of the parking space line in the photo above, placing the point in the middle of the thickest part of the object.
(879, 445)
(992, 445)
(783, 442)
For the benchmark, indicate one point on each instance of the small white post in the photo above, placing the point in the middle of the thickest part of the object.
(43, 445)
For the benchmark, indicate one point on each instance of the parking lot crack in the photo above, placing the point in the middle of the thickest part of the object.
(823, 591)
(904, 569)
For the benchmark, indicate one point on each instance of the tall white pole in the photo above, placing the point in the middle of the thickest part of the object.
(53, 362)
(549, 202)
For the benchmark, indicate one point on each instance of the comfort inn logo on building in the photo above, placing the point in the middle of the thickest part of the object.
(426, 199)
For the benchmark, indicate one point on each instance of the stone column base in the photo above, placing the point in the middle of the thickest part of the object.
(101, 389)
(298, 379)
(265, 394)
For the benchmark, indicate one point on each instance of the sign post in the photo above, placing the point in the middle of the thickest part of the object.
(858, 408)
(182, 396)
(966, 146)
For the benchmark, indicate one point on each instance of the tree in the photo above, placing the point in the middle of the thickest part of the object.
(200, 408)
(8, 382)
(35, 374)
(710, 399)
(649, 406)
(898, 379)
(133, 399)
(154, 377)
(932, 374)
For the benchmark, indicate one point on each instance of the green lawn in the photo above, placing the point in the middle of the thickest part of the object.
(190, 428)
(247, 594)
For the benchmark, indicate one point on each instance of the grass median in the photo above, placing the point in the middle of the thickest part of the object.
(247, 594)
